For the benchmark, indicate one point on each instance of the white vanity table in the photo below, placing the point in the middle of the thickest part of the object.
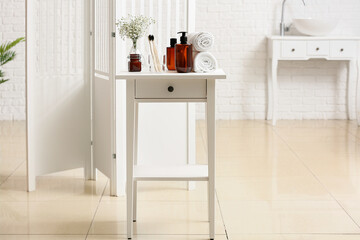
(305, 48)
(165, 88)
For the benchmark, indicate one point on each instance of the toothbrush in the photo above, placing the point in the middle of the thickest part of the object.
(164, 64)
(149, 62)
(154, 53)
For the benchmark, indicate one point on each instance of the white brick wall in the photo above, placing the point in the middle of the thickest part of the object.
(308, 90)
(12, 93)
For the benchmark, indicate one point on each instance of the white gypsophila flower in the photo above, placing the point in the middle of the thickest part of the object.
(133, 27)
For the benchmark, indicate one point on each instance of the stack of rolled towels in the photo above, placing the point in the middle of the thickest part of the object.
(204, 61)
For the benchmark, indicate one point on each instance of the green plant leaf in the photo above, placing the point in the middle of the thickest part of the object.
(8, 45)
(2, 74)
(6, 55)
(3, 80)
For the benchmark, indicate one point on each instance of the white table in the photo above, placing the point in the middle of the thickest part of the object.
(162, 88)
(305, 48)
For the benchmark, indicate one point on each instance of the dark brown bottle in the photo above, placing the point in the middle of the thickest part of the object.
(135, 63)
(170, 55)
(183, 55)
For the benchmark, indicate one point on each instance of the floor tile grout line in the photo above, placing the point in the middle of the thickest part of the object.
(218, 201)
(222, 215)
(312, 173)
(12, 173)
(356, 139)
(97, 208)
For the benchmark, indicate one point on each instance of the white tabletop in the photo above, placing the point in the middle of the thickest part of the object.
(218, 74)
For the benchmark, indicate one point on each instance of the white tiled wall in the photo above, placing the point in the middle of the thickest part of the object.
(308, 90)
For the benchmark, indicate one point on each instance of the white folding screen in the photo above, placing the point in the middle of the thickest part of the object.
(58, 87)
(103, 90)
(72, 60)
(101, 34)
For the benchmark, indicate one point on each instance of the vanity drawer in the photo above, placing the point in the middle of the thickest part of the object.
(177, 88)
(318, 48)
(293, 49)
(343, 49)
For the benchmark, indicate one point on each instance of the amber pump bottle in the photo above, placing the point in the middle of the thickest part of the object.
(183, 55)
(170, 54)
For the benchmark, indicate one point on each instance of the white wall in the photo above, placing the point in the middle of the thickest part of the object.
(314, 89)
(12, 93)
(308, 90)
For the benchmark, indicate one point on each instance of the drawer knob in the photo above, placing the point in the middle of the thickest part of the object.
(170, 88)
(317, 49)
(293, 50)
(341, 50)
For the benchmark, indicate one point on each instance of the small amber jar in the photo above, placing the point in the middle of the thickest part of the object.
(135, 63)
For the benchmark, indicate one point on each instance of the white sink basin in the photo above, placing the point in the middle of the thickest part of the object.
(315, 27)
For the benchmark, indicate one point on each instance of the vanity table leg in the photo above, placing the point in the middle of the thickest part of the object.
(274, 67)
(211, 153)
(358, 92)
(130, 110)
(270, 93)
(136, 112)
(350, 89)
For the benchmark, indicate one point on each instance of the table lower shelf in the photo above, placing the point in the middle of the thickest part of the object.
(171, 173)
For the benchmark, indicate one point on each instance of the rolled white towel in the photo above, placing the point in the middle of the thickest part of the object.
(201, 41)
(204, 62)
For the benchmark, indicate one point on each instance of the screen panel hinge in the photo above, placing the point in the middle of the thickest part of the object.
(113, 34)
(91, 33)
(114, 155)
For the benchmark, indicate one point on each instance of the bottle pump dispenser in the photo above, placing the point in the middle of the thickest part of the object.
(183, 55)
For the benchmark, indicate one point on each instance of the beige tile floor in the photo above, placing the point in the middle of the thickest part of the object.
(299, 180)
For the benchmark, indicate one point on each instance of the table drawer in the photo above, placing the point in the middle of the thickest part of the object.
(343, 49)
(293, 49)
(318, 48)
(176, 88)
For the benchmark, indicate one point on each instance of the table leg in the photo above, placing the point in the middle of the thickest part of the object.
(270, 93)
(274, 66)
(130, 109)
(136, 140)
(211, 153)
(350, 89)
